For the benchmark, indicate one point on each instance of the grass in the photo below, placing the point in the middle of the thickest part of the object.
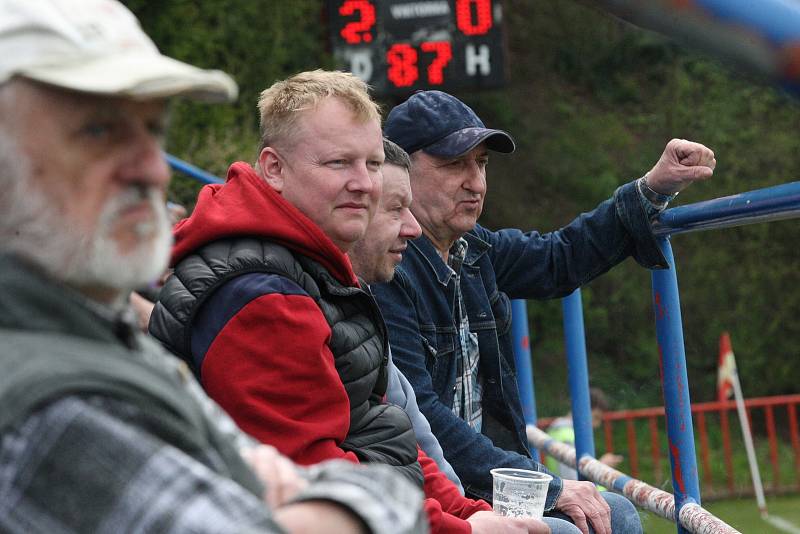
(741, 514)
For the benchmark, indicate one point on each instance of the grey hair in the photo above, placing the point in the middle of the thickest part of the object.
(396, 155)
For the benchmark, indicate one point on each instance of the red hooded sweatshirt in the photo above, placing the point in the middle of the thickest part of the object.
(267, 361)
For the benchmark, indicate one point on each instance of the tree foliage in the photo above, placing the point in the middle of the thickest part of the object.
(591, 102)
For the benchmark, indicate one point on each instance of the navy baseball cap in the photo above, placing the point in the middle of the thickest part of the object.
(441, 125)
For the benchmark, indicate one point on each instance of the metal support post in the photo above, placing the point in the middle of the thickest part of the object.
(675, 384)
(578, 375)
(522, 359)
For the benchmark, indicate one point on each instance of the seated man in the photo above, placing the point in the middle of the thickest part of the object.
(265, 306)
(376, 255)
(448, 309)
(374, 258)
(100, 429)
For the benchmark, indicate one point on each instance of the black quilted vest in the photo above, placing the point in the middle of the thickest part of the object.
(378, 432)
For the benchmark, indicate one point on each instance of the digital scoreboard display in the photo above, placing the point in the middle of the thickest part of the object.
(399, 46)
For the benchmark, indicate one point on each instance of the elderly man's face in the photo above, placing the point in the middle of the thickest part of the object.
(95, 164)
(377, 254)
(448, 194)
(330, 171)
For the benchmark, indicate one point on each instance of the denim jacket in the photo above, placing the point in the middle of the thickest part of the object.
(418, 306)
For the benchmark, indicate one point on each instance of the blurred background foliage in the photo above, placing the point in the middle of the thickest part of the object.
(591, 102)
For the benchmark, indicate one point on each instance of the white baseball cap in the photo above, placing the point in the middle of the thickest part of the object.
(96, 46)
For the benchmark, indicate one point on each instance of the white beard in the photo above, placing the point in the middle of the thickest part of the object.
(31, 227)
(100, 262)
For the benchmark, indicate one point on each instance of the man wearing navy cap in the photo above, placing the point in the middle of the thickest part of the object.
(448, 309)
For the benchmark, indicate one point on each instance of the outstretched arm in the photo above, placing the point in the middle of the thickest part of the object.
(534, 265)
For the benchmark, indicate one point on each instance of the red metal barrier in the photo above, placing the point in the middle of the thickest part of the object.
(776, 433)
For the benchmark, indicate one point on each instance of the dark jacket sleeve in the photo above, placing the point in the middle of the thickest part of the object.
(471, 454)
(534, 265)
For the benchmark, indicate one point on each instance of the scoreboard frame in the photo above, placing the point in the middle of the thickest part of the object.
(400, 46)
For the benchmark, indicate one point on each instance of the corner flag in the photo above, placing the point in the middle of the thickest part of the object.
(726, 371)
(727, 385)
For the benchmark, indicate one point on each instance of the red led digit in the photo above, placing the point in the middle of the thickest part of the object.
(402, 59)
(443, 56)
(483, 16)
(358, 30)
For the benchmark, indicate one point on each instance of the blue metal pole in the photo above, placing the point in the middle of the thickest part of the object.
(578, 375)
(190, 170)
(761, 205)
(522, 359)
(675, 383)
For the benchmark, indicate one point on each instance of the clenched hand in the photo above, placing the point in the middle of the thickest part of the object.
(681, 163)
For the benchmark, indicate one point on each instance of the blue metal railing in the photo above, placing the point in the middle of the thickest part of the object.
(578, 375)
(675, 384)
(522, 355)
(768, 204)
(190, 170)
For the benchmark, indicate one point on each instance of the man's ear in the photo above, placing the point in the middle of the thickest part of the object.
(270, 168)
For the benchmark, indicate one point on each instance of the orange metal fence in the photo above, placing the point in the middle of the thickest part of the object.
(640, 437)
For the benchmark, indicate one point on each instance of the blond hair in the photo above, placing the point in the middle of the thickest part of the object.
(281, 104)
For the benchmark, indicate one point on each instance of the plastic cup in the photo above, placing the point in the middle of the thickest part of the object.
(519, 492)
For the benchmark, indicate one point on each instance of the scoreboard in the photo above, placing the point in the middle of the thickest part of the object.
(399, 46)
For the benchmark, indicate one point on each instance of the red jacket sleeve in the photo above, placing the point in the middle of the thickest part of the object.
(447, 509)
(271, 369)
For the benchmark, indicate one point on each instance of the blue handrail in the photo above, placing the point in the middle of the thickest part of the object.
(190, 170)
(761, 205)
(768, 204)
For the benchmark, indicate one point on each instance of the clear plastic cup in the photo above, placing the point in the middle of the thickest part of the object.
(519, 492)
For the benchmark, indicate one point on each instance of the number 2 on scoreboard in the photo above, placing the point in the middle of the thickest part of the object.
(358, 30)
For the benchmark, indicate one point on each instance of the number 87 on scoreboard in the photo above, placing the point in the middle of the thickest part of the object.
(399, 46)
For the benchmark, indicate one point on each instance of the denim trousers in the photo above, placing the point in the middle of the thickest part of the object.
(624, 517)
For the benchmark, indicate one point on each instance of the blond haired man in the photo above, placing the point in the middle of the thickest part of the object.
(266, 309)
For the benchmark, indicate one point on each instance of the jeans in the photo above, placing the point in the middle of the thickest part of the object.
(624, 518)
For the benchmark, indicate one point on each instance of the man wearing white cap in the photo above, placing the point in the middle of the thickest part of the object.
(100, 430)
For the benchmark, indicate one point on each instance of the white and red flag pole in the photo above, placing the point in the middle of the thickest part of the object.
(727, 385)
